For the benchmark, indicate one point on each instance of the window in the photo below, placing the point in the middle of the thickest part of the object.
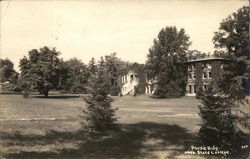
(204, 87)
(123, 79)
(194, 75)
(209, 66)
(204, 75)
(193, 66)
(210, 74)
(190, 89)
(190, 76)
(203, 65)
(194, 89)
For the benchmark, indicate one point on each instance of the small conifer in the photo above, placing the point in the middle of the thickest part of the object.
(99, 116)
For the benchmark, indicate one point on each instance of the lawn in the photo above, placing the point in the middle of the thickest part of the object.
(39, 127)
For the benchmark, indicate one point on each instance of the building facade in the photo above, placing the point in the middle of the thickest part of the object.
(201, 72)
(150, 86)
(128, 82)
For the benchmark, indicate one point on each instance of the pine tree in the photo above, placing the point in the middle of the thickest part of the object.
(99, 116)
(112, 66)
(219, 122)
(92, 68)
(222, 119)
(91, 73)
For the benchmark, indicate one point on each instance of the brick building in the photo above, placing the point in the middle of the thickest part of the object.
(201, 72)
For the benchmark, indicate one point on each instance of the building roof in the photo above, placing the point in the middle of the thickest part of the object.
(135, 68)
(127, 71)
(206, 59)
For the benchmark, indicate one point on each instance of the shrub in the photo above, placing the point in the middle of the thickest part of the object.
(25, 94)
(115, 90)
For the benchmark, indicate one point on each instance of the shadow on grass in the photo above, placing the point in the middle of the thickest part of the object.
(56, 96)
(134, 141)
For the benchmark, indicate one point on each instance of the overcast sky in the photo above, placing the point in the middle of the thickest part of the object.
(86, 29)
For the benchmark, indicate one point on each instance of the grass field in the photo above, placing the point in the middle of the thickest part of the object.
(39, 127)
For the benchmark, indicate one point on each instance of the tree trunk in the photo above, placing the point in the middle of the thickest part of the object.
(46, 93)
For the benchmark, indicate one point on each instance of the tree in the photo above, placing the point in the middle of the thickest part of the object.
(8, 75)
(99, 116)
(195, 54)
(7, 72)
(92, 67)
(166, 60)
(101, 64)
(220, 113)
(140, 70)
(43, 70)
(113, 65)
(232, 41)
(219, 123)
(77, 76)
(92, 73)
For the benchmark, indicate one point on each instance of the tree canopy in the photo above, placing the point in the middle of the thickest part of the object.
(233, 34)
(43, 70)
(195, 54)
(112, 65)
(232, 41)
(77, 76)
(7, 72)
(166, 60)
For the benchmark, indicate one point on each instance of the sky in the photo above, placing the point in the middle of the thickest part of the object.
(86, 29)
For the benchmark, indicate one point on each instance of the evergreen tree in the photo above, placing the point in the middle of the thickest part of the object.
(222, 118)
(91, 73)
(113, 65)
(219, 123)
(99, 116)
(166, 60)
(92, 67)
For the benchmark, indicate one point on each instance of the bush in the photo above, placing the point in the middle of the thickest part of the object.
(25, 94)
(115, 90)
(199, 93)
